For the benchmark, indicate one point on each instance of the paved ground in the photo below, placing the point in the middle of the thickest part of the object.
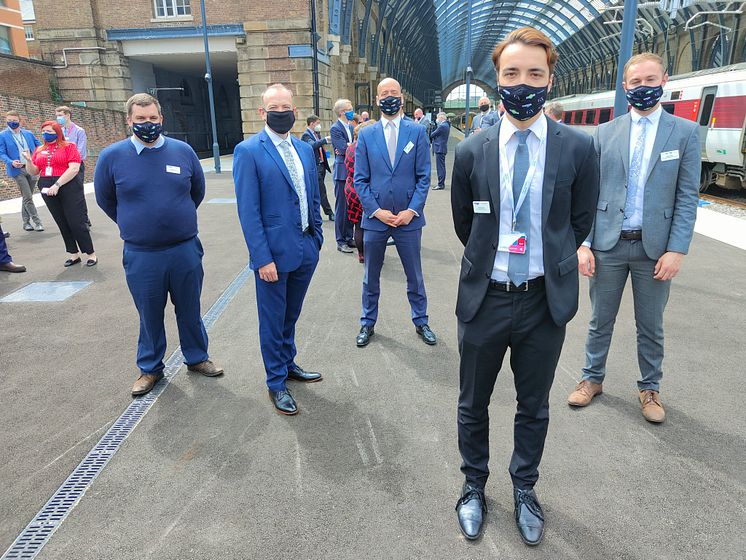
(369, 469)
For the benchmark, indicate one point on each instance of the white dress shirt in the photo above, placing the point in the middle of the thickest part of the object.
(509, 142)
(346, 126)
(635, 219)
(396, 121)
(139, 146)
(277, 140)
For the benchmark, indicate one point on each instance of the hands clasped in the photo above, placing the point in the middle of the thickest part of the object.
(395, 220)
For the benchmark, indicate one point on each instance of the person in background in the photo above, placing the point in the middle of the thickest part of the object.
(356, 120)
(312, 136)
(341, 134)
(13, 142)
(554, 110)
(365, 116)
(6, 261)
(58, 164)
(75, 134)
(354, 208)
(439, 140)
(485, 118)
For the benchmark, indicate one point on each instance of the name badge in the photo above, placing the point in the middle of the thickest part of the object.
(481, 206)
(668, 156)
(514, 242)
(48, 171)
(173, 169)
(408, 147)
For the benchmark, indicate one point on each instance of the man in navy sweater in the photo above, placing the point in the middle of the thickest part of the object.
(162, 253)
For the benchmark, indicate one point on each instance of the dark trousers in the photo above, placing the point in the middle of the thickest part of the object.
(325, 206)
(81, 174)
(4, 255)
(152, 276)
(342, 224)
(358, 235)
(440, 164)
(68, 208)
(519, 321)
(279, 305)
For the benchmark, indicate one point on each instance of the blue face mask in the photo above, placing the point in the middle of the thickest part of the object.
(349, 115)
(61, 121)
(13, 124)
(49, 137)
(147, 131)
(523, 101)
(390, 105)
(644, 97)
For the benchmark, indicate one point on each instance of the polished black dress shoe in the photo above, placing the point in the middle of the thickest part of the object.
(296, 373)
(70, 262)
(363, 338)
(529, 516)
(284, 402)
(427, 335)
(470, 510)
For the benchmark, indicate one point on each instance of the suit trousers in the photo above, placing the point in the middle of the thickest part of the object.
(342, 224)
(325, 206)
(152, 276)
(279, 305)
(440, 164)
(520, 321)
(68, 208)
(627, 258)
(5, 257)
(26, 184)
(408, 245)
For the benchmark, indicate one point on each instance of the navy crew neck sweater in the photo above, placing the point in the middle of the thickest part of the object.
(152, 197)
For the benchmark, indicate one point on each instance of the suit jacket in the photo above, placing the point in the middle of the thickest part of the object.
(485, 120)
(268, 204)
(404, 185)
(9, 149)
(570, 192)
(671, 188)
(439, 138)
(339, 142)
(317, 145)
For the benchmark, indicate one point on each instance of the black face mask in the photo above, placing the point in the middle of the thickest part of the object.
(280, 121)
(484, 108)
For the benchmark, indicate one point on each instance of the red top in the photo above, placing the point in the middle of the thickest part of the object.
(56, 156)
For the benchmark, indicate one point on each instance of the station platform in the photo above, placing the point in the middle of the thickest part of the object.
(369, 469)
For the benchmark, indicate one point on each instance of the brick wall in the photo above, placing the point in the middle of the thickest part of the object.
(103, 127)
(26, 78)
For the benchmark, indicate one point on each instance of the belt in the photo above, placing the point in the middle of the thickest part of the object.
(532, 284)
(634, 234)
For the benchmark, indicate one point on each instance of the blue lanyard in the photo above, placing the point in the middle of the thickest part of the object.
(506, 173)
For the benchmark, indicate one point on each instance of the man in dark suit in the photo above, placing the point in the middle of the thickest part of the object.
(312, 136)
(523, 198)
(278, 206)
(439, 139)
(341, 134)
(392, 179)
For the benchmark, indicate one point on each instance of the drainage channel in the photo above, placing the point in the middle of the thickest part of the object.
(41, 528)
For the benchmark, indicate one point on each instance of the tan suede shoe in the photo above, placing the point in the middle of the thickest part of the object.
(652, 409)
(145, 384)
(206, 368)
(584, 393)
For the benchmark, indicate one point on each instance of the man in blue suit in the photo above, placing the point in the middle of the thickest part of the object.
(278, 198)
(392, 178)
(439, 139)
(341, 133)
(14, 140)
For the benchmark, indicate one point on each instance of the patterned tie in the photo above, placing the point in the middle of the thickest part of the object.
(391, 142)
(635, 168)
(297, 182)
(517, 263)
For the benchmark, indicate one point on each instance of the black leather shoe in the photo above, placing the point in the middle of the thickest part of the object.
(296, 373)
(284, 402)
(70, 262)
(344, 248)
(528, 516)
(427, 335)
(363, 338)
(470, 510)
(330, 215)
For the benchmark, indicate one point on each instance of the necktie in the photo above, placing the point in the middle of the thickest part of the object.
(297, 182)
(391, 142)
(517, 263)
(635, 168)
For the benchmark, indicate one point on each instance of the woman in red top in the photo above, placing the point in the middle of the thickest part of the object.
(354, 207)
(58, 162)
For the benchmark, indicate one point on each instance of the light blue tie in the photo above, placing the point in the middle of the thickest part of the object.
(297, 182)
(635, 168)
(518, 264)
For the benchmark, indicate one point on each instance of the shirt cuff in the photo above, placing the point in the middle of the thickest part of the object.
(586, 243)
(373, 215)
(413, 212)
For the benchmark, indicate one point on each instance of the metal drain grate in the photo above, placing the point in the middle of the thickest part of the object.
(37, 533)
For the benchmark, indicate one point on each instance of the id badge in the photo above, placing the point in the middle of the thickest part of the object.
(48, 171)
(514, 242)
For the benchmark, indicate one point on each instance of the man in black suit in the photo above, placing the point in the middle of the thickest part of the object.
(312, 135)
(524, 194)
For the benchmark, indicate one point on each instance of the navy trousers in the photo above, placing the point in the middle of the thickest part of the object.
(4, 256)
(279, 305)
(440, 164)
(342, 224)
(152, 276)
(408, 245)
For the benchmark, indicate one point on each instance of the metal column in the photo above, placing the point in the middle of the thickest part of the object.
(625, 52)
(468, 66)
(314, 45)
(208, 79)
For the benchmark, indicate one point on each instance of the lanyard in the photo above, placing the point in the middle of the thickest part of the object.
(506, 178)
(50, 153)
(20, 141)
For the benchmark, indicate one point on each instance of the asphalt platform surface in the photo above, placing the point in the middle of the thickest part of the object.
(369, 469)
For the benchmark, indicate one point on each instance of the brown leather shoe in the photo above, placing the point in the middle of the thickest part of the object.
(206, 368)
(652, 409)
(12, 267)
(145, 383)
(584, 393)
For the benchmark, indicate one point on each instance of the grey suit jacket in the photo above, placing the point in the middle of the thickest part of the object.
(671, 189)
(484, 120)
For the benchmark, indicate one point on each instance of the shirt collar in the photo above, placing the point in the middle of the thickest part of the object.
(396, 120)
(653, 117)
(276, 138)
(507, 128)
(139, 146)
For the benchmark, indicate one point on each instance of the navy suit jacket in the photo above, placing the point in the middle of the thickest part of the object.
(9, 149)
(268, 206)
(401, 187)
(310, 138)
(439, 138)
(339, 141)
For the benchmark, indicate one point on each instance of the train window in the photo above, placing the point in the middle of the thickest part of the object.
(675, 95)
(704, 115)
(567, 117)
(604, 115)
(577, 117)
(668, 107)
(590, 117)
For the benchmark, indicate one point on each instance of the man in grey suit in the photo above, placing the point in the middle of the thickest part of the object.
(485, 118)
(650, 167)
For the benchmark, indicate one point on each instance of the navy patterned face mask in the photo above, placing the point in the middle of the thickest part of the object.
(147, 131)
(390, 105)
(523, 101)
(644, 97)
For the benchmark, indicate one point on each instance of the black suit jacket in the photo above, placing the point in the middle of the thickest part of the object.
(569, 202)
(311, 138)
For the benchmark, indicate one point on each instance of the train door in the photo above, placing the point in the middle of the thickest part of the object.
(705, 116)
